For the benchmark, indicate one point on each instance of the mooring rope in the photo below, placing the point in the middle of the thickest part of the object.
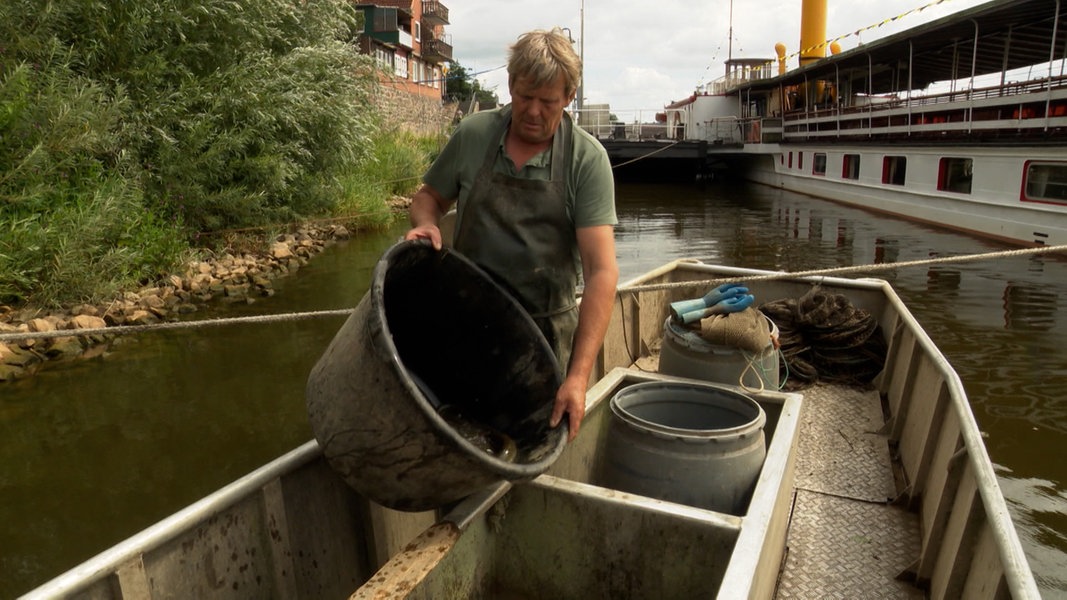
(644, 156)
(301, 316)
(833, 271)
(128, 329)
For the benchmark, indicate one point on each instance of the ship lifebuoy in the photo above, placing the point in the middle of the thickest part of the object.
(754, 132)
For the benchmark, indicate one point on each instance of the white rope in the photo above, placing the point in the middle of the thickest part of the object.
(127, 329)
(644, 156)
(868, 268)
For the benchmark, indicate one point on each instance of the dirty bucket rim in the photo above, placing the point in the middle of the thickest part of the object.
(752, 427)
(513, 471)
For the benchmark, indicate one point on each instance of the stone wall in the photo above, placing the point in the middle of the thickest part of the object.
(424, 115)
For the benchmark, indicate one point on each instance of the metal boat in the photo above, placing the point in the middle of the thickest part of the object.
(883, 489)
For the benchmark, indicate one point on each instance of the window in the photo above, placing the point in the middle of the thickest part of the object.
(800, 160)
(418, 31)
(385, 20)
(893, 169)
(1045, 181)
(818, 166)
(790, 160)
(384, 56)
(954, 175)
(850, 166)
(400, 67)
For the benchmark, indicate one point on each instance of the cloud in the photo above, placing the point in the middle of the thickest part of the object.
(642, 56)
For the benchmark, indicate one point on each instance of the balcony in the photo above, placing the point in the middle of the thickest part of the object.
(386, 25)
(434, 13)
(436, 50)
(403, 5)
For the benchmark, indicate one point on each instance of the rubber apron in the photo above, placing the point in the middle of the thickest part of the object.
(520, 232)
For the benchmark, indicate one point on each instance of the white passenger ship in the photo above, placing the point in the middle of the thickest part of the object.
(961, 122)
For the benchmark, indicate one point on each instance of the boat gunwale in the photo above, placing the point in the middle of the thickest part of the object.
(154, 536)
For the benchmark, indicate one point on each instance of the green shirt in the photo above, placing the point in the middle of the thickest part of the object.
(590, 190)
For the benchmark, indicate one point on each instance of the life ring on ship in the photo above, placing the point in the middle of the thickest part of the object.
(754, 132)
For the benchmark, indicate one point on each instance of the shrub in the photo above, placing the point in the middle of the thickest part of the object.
(129, 126)
(72, 223)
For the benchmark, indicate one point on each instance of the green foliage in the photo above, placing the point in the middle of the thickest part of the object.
(463, 86)
(398, 160)
(72, 224)
(259, 142)
(130, 126)
(85, 250)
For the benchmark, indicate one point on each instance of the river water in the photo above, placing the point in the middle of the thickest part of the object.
(93, 451)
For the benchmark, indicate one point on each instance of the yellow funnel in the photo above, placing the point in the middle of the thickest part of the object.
(812, 31)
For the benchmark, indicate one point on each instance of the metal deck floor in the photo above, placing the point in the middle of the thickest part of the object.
(846, 539)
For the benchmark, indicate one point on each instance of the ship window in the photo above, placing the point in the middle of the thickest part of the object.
(850, 167)
(790, 160)
(893, 169)
(818, 166)
(954, 175)
(800, 160)
(1046, 181)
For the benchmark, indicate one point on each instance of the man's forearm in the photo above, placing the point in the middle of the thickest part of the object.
(594, 314)
(424, 209)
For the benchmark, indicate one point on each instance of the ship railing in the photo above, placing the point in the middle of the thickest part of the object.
(735, 131)
(637, 124)
(1032, 106)
(871, 103)
(721, 130)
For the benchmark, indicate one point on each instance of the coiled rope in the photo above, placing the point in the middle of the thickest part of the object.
(301, 316)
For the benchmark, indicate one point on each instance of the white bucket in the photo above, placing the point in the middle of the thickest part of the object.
(686, 354)
(691, 443)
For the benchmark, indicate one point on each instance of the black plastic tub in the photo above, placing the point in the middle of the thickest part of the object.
(437, 385)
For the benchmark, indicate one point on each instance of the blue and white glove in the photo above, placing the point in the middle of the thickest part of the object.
(729, 305)
(723, 293)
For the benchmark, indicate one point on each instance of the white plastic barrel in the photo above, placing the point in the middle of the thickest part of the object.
(692, 443)
(686, 354)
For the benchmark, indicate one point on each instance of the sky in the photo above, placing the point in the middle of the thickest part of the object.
(641, 56)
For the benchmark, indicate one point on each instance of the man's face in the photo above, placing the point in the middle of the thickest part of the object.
(537, 111)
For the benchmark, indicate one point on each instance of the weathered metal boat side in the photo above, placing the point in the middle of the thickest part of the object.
(925, 519)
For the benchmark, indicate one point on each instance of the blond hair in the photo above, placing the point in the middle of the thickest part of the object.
(541, 56)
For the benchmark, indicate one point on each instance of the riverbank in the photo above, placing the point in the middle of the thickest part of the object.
(223, 277)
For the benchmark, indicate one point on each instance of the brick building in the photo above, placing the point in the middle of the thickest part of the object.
(407, 37)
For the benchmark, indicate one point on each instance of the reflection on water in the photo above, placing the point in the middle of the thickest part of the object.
(1029, 308)
(95, 451)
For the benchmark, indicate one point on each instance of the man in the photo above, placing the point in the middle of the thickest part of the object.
(534, 197)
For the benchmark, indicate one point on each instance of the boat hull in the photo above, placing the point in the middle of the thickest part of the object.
(993, 210)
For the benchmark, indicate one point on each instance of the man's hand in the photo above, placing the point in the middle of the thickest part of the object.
(570, 399)
(425, 232)
(427, 207)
